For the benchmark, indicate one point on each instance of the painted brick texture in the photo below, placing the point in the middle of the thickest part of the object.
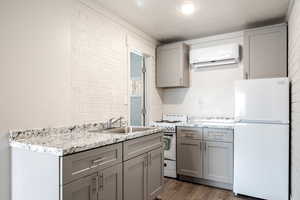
(99, 67)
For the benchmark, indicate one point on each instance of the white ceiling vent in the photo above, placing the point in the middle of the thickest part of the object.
(215, 56)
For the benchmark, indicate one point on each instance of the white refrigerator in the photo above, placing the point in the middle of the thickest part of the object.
(261, 138)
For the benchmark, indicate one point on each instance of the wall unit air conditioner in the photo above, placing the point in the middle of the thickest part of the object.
(215, 56)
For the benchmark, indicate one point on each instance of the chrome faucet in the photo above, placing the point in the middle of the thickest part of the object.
(112, 121)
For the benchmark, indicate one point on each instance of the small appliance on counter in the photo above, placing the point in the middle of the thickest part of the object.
(261, 138)
(169, 123)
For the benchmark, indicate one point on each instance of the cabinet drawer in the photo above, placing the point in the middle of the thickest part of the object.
(190, 133)
(82, 164)
(217, 134)
(138, 146)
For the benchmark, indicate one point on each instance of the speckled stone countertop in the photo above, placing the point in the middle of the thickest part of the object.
(210, 125)
(68, 140)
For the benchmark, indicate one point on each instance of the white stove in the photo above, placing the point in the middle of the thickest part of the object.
(169, 123)
(169, 126)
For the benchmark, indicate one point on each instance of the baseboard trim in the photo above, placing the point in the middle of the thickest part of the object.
(216, 184)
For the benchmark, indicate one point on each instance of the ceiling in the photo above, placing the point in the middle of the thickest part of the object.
(162, 20)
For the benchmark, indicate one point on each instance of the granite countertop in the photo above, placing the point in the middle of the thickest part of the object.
(210, 125)
(68, 140)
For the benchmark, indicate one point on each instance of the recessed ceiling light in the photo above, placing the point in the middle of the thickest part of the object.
(140, 3)
(187, 8)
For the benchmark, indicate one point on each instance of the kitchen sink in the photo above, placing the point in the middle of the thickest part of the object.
(123, 130)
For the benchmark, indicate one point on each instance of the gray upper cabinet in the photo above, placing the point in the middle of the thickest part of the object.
(172, 66)
(82, 189)
(110, 183)
(135, 178)
(265, 52)
(218, 162)
(155, 173)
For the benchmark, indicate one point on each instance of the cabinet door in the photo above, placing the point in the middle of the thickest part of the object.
(155, 173)
(189, 157)
(111, 183)
(135, 178)
(83, 189)
(218, 161)
(266, 52)
(172, 66)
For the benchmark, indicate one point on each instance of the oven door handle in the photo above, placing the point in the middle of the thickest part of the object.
(169, 134)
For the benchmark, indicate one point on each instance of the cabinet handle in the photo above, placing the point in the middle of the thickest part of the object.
(98, 160)
(101, 181)
(150, 159)
(146, 162)
(203, 146)
(246, 75)
(185, 143)
(95, 186)
(189, 135)
(92, 192)
(190, 131)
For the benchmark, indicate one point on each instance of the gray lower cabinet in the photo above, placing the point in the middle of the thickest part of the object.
(205, 155)
(218, 161)
(129, 170)
(83, 189)
(155, 173)
(143, 176)
(110, 186)
(104, 185)
(189, 157)
(135, 178)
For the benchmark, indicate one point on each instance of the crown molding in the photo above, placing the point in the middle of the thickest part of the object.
(94, 4)
(290, 9)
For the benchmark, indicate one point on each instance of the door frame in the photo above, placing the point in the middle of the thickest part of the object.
(147, 59)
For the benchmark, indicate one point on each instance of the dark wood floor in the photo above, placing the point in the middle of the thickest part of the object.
(178, 190)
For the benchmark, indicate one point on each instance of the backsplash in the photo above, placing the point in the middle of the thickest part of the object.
(211, 91)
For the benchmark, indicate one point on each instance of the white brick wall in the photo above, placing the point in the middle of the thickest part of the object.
(99, 66)
(49, 79)
(294, 74)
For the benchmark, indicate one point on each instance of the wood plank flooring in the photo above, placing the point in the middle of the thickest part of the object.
(178, 190)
